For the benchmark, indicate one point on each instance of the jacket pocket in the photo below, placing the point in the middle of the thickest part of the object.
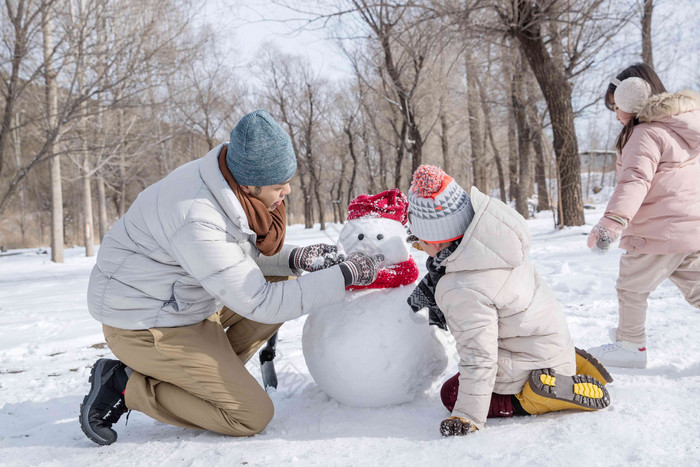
(175, 304)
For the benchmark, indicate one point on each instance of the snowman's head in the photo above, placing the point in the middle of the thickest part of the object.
(371, 235)
(376, 225)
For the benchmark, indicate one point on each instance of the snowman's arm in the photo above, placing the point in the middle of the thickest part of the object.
(473, 321)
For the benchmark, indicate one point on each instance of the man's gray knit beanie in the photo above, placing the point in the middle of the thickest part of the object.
(260, 152)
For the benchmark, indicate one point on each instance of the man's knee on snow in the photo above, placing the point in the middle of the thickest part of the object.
(251, 417)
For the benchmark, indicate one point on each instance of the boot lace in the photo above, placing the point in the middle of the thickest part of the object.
(115, 413)
(610, 347)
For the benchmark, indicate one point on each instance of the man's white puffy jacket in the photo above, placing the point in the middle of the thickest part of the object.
(185, 245)
(504, 317)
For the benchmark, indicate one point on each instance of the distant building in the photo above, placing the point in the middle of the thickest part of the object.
(597, 160)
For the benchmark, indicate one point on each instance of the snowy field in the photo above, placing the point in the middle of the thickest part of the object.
(48, 342)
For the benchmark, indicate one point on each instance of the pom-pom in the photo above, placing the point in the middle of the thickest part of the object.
(427, 180)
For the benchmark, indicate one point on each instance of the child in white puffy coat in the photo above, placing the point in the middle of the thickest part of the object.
(516, 354)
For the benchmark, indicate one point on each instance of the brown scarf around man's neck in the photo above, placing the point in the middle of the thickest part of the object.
(270, 227)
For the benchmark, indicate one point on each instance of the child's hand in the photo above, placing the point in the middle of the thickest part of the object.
(606, 232)
(456, 426)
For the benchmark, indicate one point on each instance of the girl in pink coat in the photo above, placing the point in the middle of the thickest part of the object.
(655, 206)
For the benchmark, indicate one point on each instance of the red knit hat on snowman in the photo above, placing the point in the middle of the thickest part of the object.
(390, 204)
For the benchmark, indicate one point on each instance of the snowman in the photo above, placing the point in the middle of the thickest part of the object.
(371, 350)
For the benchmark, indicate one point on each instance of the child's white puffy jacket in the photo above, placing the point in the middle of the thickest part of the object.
(504, 317)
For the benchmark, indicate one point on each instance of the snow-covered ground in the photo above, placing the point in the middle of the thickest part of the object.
(48, 342)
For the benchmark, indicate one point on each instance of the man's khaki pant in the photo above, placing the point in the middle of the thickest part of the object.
(641, 274)
(195, 376)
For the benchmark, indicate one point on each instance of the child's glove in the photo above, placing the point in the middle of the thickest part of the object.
(360, 269)
(456, 426)
(605, 233)
(315, 257)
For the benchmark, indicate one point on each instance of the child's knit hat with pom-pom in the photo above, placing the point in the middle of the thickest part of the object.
(439, 209)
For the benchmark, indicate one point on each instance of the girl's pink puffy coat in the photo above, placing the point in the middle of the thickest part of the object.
(659, 177)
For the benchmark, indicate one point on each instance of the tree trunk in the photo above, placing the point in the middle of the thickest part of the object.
(445, 141)
(496, 153)
(11, 91)
(476, 130)
(88, 235)
(540, 173)
(57, 231)
(353, 177)
(647, 56)
(308, 204)
(520, 116)
(85, 169)
(400, 152)
(416, 147)
(353, 173)
(17, 140)
(557, 92)
(102, 207)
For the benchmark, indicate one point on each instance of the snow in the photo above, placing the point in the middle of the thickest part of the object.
(48, 342)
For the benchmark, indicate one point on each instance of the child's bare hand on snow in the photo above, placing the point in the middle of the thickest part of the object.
(606, 232)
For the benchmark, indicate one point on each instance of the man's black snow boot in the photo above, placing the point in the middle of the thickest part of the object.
(104, 404)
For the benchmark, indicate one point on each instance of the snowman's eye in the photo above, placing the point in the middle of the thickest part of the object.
(380, 236)
(361, 236)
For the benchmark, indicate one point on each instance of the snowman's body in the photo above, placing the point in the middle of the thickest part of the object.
(372, 350)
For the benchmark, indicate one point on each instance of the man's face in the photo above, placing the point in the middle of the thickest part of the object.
(271, 195)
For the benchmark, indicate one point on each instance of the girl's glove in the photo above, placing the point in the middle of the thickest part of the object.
(606, 232)
(360, 269)
(456, 426)
(315, 257)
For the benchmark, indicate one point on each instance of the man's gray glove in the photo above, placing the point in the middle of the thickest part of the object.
(360, 269)
(315, 257)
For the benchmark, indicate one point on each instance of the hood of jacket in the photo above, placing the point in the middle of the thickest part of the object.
(497, 237)
(679, 111)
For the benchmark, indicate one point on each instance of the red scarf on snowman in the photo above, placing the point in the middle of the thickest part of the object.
(390, 204)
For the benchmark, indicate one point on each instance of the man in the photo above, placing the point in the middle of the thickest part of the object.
(208, 232)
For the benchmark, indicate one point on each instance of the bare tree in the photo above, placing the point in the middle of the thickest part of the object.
(476, 124)
(582, 27)
(647, 10)
(210, 99)
(51, 127)
(520, 115)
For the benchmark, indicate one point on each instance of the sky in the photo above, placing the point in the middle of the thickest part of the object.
(254, 23)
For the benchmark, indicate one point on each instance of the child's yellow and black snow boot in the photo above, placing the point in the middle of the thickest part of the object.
(545, 391)
(587, 364)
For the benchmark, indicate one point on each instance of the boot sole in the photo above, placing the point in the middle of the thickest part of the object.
(582, 391)
(96, 382)
(596, 364)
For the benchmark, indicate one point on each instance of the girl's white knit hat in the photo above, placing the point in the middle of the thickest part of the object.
(631, 93)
